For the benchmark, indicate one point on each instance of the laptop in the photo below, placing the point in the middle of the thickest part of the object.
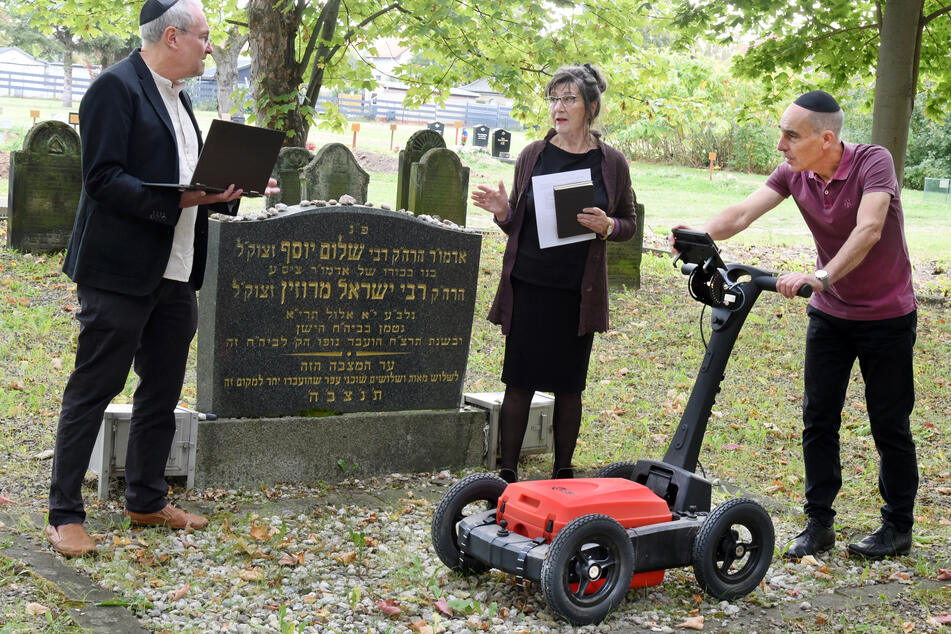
(233, 153)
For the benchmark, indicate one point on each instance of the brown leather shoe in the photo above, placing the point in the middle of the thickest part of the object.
(70, 540)
(169, 516)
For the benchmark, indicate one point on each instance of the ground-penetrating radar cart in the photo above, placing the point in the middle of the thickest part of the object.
(588, 540)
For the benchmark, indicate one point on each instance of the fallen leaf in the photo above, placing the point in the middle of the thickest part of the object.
(907, 626)
(251, 574)
(36, 609)
(259, 532)
(5, 500)
(288, 560)
(421, 626)
(944, 490)
(390, 607)
(443, 607)
(17, 385)
(900, 577)
(345, 558)
(181, 592)
(46, 454)
(370, 542)
(732, 446)
(692, 623)
(941, 619)
(944, 574)
(57, 363)
(809, 560)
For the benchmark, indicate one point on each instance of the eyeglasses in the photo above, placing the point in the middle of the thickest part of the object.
(565, 99)
(203, 38)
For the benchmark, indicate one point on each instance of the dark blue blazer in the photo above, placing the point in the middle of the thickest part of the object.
(123, 232)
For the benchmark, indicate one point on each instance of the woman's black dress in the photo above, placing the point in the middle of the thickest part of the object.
(543, 350)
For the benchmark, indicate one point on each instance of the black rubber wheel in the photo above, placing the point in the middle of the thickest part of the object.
(617, 470)
(588, 569)
(452, 509)
(733, 549)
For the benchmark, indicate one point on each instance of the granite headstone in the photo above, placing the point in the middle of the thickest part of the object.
(437, 126)
(418, 144)
(439, 186)
(45, 182)
(480, 138)
(287, 173)
(333, 173)
(335, 309)
(501, 142)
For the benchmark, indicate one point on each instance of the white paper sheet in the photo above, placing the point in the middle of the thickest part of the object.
(543, 188)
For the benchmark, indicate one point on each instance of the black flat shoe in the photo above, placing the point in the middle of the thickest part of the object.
(563, 474)
(509, 475)
(887, 541)
(816, 538)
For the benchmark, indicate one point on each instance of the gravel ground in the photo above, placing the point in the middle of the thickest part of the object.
(357, 557)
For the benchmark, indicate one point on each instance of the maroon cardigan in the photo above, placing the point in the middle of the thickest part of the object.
(594, 282)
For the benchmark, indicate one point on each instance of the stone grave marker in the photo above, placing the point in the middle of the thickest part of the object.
(439, 186)
(335, 309)
(418, 144)
(287, 173)
(334, 172)
(501, 141)
(624, 258)
(480, 138)
(45, 183)
(437, 127)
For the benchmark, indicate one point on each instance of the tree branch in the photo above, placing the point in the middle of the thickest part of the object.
(936, 14)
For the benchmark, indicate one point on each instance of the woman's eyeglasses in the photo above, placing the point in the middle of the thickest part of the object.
(565, 99)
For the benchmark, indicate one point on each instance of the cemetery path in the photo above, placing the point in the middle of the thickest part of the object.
(356, 557)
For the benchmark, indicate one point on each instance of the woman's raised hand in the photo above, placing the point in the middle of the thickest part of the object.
(492, 199)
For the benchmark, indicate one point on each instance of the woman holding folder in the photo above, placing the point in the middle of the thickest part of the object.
(552, 299)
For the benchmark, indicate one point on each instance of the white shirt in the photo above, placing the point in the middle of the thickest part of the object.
(180, 259)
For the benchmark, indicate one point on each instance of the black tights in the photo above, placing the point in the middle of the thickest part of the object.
(513, 420)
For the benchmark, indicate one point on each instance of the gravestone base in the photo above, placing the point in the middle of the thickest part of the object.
(254, 451)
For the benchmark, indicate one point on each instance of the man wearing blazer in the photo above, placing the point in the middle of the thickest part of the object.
(137, 255)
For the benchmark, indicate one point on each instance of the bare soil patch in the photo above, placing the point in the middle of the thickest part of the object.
(378, 163)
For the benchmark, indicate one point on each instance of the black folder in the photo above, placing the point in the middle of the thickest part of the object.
(234, 153)
(570, 199)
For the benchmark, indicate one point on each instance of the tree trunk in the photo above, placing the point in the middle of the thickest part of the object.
(896, 77)
(226, 73)
(68, 77)
(275, 72)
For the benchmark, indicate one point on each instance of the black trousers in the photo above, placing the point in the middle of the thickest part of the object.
(884, 351)
(153, 332)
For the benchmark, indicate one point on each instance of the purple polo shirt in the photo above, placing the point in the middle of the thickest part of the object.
(880, 286)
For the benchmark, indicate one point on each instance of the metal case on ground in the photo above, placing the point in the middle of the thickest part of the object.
(538, 435)
(109, 453)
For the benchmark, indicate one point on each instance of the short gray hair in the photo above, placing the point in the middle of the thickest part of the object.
(822, 121)
(179, 15)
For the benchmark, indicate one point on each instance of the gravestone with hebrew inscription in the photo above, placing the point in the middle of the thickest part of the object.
(335, 309)
(287, 173)
(439, 186)
(480, 136)
(437, 126)
(333, 173)
(418, 144)
(501, 142)
(45, 182)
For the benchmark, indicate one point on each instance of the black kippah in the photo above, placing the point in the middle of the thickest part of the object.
(815, 100)
(153, 9)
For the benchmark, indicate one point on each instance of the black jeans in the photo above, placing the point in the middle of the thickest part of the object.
(154, 331)
(884, 350)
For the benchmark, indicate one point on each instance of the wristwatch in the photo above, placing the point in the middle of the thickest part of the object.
(823, 276)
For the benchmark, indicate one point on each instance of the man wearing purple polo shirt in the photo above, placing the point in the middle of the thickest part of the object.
(863, 307)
